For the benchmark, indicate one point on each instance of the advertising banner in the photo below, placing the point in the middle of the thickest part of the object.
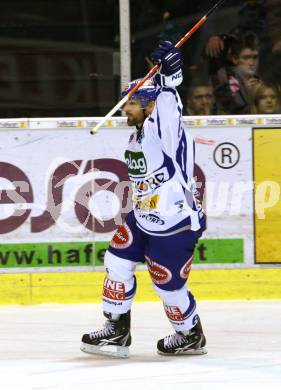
(64, 192)
(267, 175)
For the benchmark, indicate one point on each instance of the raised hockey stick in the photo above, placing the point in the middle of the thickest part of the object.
(154, 69)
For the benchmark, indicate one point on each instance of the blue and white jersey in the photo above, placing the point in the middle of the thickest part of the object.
(160, 159)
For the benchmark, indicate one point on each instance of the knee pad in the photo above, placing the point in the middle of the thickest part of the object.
(180, 307)
(118, 268)
(119, 285)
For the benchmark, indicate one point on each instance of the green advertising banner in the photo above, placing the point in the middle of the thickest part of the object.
(72, 254)
(54, 254)
(220, 251)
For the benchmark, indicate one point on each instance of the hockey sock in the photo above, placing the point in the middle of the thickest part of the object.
(180, 308)
(119, 285)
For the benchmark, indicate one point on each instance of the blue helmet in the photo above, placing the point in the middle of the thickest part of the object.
(145, 93)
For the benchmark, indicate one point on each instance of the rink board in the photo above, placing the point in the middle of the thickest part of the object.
(86, 287)
(59, 158)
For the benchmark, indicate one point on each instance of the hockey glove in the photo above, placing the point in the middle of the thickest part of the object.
(169, 73)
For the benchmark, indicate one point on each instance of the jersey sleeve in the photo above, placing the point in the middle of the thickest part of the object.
(177, 143)
(168, 117)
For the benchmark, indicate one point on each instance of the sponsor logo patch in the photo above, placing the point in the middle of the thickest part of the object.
(123, 238)
(146, 204)
(159, 274)
(113, 290)
(152, 218)
(185, 270)
(136, 163)
(173, 313)
(151, 183)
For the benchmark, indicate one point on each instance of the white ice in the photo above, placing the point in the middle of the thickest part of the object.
(39, 349)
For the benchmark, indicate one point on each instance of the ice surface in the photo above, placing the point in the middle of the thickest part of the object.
(39, 349)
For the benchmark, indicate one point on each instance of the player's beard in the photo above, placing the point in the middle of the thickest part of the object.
(132, 121)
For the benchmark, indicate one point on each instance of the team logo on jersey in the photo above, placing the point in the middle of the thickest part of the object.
(123, 238)
(173, 313)
(113, 289)
(185, 270)
(159, 274)
(136, 163)
(146, 204)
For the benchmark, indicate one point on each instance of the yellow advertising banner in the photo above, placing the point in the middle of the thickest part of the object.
(267, 178)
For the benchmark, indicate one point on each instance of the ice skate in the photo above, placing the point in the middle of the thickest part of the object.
(179, 343)
(113, 340)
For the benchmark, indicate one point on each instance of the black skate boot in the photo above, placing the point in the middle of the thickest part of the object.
(191, 342)
(113, 340)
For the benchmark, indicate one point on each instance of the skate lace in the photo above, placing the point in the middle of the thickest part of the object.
(174, 340)
(106, 331)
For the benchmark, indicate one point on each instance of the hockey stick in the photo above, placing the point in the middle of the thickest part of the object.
(154, 69)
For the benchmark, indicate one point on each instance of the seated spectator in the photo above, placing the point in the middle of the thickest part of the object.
(251, 18)
(234, 82)
(266, 100)
(200, 99)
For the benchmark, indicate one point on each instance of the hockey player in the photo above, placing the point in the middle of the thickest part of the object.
(165, 224)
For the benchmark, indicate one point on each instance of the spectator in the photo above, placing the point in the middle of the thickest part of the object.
(274, 24)
(274, 29)
(266, 100)
(251, 18)
(200, 99)
(235, 82)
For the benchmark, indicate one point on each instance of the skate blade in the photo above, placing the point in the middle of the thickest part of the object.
(115, 351)
(200, 351)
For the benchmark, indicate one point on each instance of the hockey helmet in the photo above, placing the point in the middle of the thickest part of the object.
(145, 93)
